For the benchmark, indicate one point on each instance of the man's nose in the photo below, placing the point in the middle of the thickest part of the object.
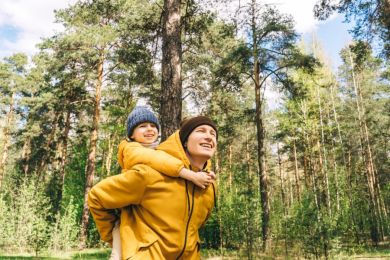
(209, 136)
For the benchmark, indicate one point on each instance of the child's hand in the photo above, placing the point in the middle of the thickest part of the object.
(212, 175)
(202, 179)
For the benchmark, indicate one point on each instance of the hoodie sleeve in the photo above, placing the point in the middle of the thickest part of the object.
(116, 192)
(132, 153)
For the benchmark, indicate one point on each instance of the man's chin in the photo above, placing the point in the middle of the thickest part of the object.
(207, 156)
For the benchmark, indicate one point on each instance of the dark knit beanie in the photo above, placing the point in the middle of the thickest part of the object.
(188, 125)
(140, 114)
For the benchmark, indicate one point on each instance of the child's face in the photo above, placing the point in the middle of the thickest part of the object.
(145, 133)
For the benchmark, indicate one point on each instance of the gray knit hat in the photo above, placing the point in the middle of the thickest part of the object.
(140, 114)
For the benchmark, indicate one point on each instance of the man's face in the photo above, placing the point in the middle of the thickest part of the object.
(145, 133)
(202, 142)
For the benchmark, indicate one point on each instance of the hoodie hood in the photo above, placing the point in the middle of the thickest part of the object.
(174, 147)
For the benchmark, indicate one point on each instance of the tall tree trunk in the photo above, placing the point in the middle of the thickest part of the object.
(350, 197)
(108, 161)
(90, 170)
(260, 134)
(260, 159)
(171, 83)
(64, 153)
(26, 151)
(334, 149)
(311, 172)
(323, 158)
(230, 179)
(217, 167)
(377, 230)
(249, 209)
(46, 149)
(7, 138)
(296, 172)
(282, 185)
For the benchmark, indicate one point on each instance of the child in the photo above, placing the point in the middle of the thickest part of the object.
(142, 133)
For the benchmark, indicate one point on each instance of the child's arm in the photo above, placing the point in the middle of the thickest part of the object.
(132, 153)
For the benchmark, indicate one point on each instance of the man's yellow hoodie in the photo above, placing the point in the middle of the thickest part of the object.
(162, 215)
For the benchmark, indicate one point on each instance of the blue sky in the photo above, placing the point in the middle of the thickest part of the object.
(333, 36)
(24, 22)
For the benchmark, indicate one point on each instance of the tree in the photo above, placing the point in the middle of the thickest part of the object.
(102, 36)
(13, 73)
(267, 54)
(372, 17)
(360, 73)
(171, 82)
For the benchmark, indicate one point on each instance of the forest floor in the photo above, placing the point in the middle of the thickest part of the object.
(96, 254)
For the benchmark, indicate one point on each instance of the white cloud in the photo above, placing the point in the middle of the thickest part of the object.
(31, 19)
(302, 11)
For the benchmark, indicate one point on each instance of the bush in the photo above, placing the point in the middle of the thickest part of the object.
(24, 215)
(65, 229)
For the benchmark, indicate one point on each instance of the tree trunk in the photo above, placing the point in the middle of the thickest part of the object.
(296, 173)
(108, 161)
(46, 149)
(7, 138)
(377, 230)
(217, 167)
(323, 158)
(26, 151)
(171, 83)
(249, 209)
(90, 170)
(311, 172)
(64, 153)
(230, 168)
(260, 158)
(260, 134)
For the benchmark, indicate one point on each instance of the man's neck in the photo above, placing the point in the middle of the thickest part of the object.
(197, 163)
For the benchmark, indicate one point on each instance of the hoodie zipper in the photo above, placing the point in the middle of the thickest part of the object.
(191, 210)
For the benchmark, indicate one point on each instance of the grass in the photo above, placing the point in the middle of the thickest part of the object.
(96, 254)
(87, 254)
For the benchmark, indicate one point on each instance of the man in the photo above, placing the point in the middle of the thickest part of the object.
(163, 214)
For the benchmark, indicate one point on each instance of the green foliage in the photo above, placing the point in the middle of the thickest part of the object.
(26, 212)
(315, 155)
(65, 230)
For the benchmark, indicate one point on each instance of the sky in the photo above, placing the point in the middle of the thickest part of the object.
(24, 22)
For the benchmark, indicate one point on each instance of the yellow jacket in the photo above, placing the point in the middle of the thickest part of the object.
(131, 153)
(163, 214)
